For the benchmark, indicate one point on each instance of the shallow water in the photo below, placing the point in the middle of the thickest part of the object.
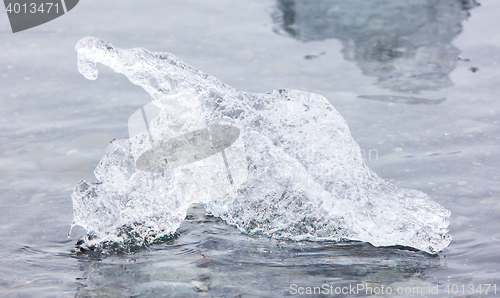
(55, 126)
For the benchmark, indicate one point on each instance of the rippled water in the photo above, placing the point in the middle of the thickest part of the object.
(385, 66)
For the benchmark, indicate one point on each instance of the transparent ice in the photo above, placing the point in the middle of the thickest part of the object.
(294, 171)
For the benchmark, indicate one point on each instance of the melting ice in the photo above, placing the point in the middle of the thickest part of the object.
(281, 164)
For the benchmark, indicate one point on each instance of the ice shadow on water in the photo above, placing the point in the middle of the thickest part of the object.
(405, 44)
(215, 259)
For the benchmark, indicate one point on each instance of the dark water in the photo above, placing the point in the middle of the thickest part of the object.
(417, 81)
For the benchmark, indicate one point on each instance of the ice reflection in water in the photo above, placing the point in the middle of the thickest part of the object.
(211, 256)
(405, 44)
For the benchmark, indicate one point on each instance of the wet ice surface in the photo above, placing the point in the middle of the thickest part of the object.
(56, 126)
(292, 170)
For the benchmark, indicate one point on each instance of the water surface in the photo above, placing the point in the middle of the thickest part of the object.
(380, 65)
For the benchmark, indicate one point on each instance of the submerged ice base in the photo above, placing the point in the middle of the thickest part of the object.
(289, 168)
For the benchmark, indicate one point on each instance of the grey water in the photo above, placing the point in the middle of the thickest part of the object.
(416, 80)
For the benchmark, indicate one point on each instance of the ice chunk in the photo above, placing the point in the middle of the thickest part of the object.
(281, 164)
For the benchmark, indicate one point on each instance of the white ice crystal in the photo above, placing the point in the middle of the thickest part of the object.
(289, 167)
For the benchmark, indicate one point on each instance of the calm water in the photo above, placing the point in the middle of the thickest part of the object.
(428, 76)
